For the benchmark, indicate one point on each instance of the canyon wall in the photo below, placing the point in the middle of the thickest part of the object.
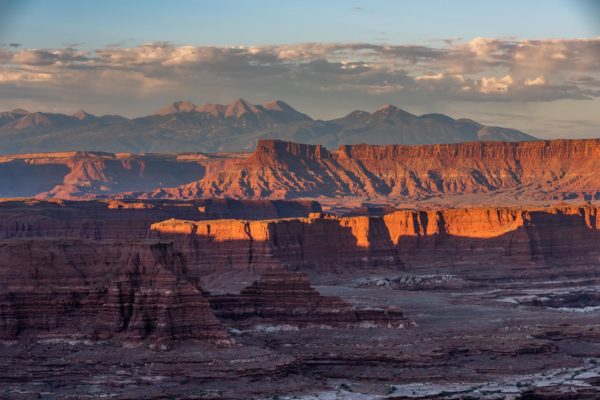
(486, 172)
(319, 242)
(100, 289)
(401, 239)
(130, 219)
(541, 170)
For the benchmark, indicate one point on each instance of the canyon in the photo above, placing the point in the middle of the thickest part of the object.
(498, 173)
(216, 298)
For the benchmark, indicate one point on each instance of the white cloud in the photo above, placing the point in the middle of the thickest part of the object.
(540, 80)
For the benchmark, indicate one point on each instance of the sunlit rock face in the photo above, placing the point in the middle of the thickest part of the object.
(317, 242)
(494, 171)
(470, 173)
(556, 234)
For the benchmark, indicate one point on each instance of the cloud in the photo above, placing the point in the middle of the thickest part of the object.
(479, 70)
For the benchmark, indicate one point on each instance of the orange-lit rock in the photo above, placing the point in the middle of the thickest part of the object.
(314, 243)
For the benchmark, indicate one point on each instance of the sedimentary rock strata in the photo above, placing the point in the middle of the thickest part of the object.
(558, 169)
(100, 289)
(319, 242)
(285, 300)
(488, 172)
(129, 219)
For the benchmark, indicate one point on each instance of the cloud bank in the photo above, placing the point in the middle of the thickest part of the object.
(135, 78)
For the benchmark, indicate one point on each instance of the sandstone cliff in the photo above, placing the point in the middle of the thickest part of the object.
(559, 169)
(131, 290)
(480, 172)
(130, 219)
(319, 242)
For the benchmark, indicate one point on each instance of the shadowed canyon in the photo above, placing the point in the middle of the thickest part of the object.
(231, 298)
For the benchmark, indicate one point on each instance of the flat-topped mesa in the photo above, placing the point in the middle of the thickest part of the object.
(285, 300)
(511, 234)
(319, 242)
(278, 150)
(475, 150)
(130, 219)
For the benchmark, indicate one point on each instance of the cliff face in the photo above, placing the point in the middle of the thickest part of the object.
(129, 219)
(100, 289)
(319, 242)
(498, 172)
(445, 238)
(523, 235)
(559, 169)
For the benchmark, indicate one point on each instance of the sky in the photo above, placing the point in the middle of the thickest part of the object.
(530, 65)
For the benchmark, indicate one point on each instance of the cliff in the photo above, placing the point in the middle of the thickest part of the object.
(549, 170)
(555, 234)
(134, 290)
(130, 219)
(476, 172)
(319, 242)
(443, 238)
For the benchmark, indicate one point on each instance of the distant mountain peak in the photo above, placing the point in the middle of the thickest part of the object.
(178, 106)
(239, 108)
(277, 105)
(212, 108)
(81, 115)
(19, 111)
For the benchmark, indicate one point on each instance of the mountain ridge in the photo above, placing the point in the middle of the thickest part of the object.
(237, 126)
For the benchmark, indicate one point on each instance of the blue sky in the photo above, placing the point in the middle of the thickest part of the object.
(93, 24)
(533, 65)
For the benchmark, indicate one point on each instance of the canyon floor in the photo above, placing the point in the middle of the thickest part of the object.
(496, 303)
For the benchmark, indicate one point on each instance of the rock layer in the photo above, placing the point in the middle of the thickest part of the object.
(319, 242)
(100, 289)
(474, 172)
(285, 300)
(129, 219)
(559, 169)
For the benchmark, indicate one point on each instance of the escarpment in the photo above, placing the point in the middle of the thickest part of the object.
(445, 237)
(130, 219)
(541, 170)
(480, 172)
(319, 242)
(476, 236)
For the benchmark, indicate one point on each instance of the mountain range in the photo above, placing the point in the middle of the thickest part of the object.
(238, 126)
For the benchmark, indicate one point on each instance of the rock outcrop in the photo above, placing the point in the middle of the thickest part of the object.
(319, 242)
(551, 170)
(467, 173)
(130, 219)
(134, 290)
(446, 237)
(285, 300)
